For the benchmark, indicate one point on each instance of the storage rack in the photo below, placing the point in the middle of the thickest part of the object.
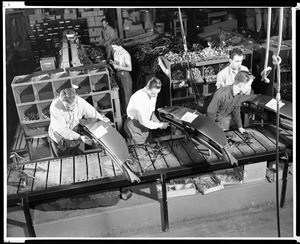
(34, 93)
(179, 89)
(47, 35)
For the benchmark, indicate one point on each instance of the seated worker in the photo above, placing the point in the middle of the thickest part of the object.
(121, 62)
(226, 76)
(225, 105)
(108, 34)
(140, 111)
(66, 111)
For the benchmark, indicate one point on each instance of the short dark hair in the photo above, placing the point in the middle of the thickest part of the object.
(68, 95)
(104, 19)
(243, 77)
(235, 51)
(154, 83)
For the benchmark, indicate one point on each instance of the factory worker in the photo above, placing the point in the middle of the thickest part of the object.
(224, 108)
(121, 62)
(66, 112)
(108, 34)
(140, 113)
(226, 76)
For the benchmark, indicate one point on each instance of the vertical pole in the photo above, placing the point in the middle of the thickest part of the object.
(164, 204)
(26, 210)
(284, 181)
(120, 26)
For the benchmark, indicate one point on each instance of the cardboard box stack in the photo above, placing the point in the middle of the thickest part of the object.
(93, 17)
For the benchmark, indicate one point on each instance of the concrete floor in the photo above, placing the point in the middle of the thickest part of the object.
(240, 211)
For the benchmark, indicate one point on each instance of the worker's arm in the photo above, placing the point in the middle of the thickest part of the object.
(213, 107)
(125, 65)
(90, 112)
(59, 125)
(236, 116)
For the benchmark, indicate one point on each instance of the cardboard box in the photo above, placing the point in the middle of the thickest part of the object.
(47, 63)
(177, 187)
(149, 25)
(127, 24)
(136, 27)
(255, 172)
(130, 33)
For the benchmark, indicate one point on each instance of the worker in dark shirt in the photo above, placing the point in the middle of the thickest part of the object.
(225, 106)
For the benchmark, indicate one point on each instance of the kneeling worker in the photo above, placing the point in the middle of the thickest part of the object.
(66, 111)
(225, 105)
(140, 113)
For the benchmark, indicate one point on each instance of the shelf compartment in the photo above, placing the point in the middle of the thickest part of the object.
(61, 74)
(24, 94)
(59, 85)
(89, 99)
(83, 83)
(36, 129)
(44, 91)
(28, 113)
(41, 77)
(99, 82)
(102, 101)
(95, 70)
(44, 109)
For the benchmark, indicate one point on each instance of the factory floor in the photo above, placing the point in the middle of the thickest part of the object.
(239, 211)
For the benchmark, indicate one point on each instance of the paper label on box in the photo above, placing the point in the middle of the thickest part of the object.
(100, 131)
(189, 117)
(272, 104)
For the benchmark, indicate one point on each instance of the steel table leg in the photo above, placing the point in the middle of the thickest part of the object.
(164, 204)
(26, 209)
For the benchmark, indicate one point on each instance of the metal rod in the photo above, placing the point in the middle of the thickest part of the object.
(26, 210)
(164, 204)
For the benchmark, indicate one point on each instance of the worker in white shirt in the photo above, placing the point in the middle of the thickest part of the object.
(121, 63)
(66, 112)
(140, 113)
(226, 76)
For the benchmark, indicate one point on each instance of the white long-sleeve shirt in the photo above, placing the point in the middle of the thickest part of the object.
(226, 76)
(141, 107)
(62, 121)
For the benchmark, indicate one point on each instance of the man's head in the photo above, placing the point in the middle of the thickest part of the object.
(68, 98)
(153, 87)
(236, 57)
(243, 81)
(104, 23)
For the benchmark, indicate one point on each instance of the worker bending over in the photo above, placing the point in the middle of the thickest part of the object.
(140, 113)
(66, 111)
(225, 106)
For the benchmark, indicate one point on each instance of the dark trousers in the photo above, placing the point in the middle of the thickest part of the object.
(124, 81)
(68, 151)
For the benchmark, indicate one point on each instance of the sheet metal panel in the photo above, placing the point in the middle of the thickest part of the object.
(169, 157)
(192, 150)
(41, 173)
(67, 171)
(107, 169)
(93, 163)
(181, 154)
(54, 173)
(260, 138)
(142, 154)
(80, 168)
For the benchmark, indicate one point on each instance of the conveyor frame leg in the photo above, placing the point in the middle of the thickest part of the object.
(164, 204)
(284, 180)
(26, 210)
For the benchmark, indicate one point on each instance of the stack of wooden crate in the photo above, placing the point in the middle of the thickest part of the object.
(34, 93)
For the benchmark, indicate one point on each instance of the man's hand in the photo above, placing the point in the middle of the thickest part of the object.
(105, 119)
(242, 130)
(164, 125)
(86, 140)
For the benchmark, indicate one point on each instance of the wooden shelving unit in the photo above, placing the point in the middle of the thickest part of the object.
(179, 89)
(34, 93)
